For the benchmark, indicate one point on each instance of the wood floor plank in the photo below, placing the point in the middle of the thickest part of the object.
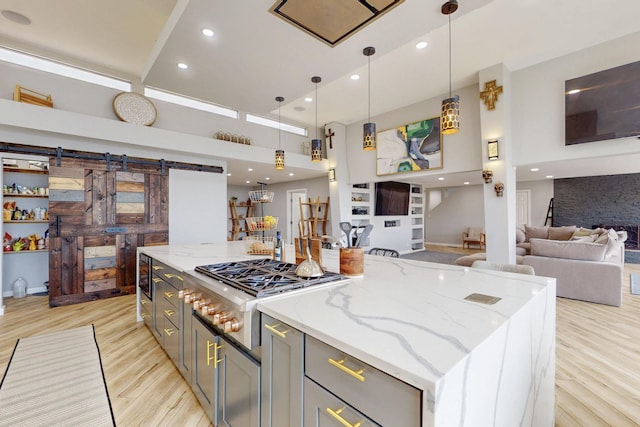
(597, 359)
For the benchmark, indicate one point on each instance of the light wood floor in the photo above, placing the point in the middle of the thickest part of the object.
(597, 371)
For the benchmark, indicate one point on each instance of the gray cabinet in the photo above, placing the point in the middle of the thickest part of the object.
(205, 368)
(239, 388)
(282, 374)
(381, 397)
(226, 381)
(323, 409)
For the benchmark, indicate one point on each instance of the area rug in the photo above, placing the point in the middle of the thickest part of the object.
(56, 379)
(433, 256)
(635, 283)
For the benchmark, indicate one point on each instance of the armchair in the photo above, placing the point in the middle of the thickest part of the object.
(475, 236)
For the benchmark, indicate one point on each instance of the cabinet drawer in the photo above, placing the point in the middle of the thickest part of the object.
(171, 340)
(383, 398)
(170, 295)
(323, 409)
(146, 310)
(172, 314)
(168, 274)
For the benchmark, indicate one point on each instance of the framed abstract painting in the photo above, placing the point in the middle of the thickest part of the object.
(413, 147)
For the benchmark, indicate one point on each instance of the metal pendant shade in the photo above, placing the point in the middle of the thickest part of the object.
(450, 115)
(369, 129)
(279, 151)
(316, 144)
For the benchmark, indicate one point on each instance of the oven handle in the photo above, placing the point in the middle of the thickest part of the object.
(273, 329)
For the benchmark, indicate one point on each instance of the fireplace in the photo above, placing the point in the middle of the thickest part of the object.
(632, 234)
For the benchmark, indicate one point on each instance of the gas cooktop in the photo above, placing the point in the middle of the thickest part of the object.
(263, 277)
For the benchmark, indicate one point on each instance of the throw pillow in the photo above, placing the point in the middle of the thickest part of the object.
(561, 233)
(536, 232)
(613, 244)
(581, 232)
(520, 236)
(583, 251)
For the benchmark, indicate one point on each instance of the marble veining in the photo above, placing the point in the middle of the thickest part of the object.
(476, 363)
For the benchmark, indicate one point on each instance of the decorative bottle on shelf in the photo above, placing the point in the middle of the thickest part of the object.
(277, 250)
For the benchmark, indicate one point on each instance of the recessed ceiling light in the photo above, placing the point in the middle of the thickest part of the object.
(207, 32)
(307, 99)
(355, 77)
(267, 178)
(466, 183)
(421, 45)
(573, 91)
(549, 176)
(441, 178)
(248, 182)
(182, 65)
(16, 17)
(290, 173)
(229, 174)
(535, 169)
(250, 169)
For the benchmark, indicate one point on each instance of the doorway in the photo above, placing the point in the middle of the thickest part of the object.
(293, 211)
(523, 207)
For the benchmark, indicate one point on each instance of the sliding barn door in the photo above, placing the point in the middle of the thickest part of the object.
(97, 220)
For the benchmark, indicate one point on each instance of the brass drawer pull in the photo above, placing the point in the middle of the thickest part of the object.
(157, 267)
(169, 312)
(169, 331)
(336, 414)
(170, 276)
(273, 329)
(144, 315)
(156, 280)
(144, 301)
(169, 294)
(213, 359)
(340, 365)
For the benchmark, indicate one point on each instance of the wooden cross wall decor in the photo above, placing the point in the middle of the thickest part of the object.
(329, 135)
(490, 94)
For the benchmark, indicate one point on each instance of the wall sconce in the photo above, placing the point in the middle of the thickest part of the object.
(492, 149)
(332, 175)
(499, 188)
(488, 176)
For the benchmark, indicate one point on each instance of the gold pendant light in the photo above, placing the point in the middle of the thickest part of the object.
(316, 144)
(450, 116)
(279, 151)
(369, 129)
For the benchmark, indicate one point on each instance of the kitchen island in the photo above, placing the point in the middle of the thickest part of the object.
(474, 363)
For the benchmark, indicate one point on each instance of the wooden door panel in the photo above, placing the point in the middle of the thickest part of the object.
(98, 218)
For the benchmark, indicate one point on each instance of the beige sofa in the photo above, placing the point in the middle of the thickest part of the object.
(587, 264)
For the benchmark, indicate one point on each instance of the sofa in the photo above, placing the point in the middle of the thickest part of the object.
(586, 263)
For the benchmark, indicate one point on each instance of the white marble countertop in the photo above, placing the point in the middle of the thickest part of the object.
(407, 318)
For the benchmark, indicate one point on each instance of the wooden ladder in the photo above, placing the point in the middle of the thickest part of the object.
(549, 213)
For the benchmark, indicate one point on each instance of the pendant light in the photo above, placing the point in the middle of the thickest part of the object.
(450, 118)
(316, 144)
(369, 129)
(279, 151)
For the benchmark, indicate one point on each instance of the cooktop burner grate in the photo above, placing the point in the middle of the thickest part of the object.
(263, 277)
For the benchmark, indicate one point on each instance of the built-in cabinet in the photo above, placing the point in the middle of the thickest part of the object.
(25, 224)
(282, 374)
(416, 216)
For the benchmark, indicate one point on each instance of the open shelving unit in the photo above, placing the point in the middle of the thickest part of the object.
(416, 216)
(317, 214)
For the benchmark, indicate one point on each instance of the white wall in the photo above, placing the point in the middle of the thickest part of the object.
(194, 199)
(538, 104)
(461, 152)
(461, 207)
(94, 100)
(541, 193)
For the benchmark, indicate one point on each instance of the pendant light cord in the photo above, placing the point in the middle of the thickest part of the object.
(279, 125)
(316, 110)
(369, 83)
(449, 55)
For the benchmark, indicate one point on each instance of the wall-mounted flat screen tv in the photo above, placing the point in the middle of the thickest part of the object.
(603, 105)
(392, 198)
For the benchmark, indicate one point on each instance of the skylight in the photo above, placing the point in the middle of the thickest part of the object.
(190, 102)
(277, 125)
(60, 69)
